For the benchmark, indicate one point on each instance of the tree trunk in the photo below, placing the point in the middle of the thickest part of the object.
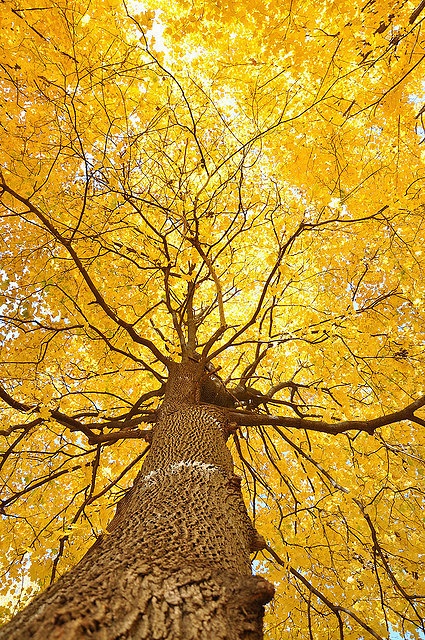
(175, 563)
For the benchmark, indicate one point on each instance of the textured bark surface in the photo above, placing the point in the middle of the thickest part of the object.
(175, 563)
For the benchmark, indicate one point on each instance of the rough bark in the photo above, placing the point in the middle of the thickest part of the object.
(175, 563)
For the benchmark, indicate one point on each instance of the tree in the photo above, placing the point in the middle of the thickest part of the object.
(212, 230)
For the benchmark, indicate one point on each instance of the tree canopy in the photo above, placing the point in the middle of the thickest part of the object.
(241, 181)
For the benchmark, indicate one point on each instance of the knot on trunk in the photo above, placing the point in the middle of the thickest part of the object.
(255, 590)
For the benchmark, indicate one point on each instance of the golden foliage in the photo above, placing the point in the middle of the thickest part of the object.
(253, 171)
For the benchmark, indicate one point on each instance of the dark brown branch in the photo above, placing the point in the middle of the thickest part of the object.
(10, 449)
(63, 419)
(118, 478)
(48, 39)
(15, 404)
(318, 466)
(125, 425)
(34, 485)
(83, 271)
(155, 393)
(336, 609)
(378, 549)
(417, 11)
(124, 434)
(250, 419)
(385, 93)
(65, 537)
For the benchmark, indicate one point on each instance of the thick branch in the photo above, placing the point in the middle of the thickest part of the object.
(125, 434)
(126, 425)
(250, 419)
